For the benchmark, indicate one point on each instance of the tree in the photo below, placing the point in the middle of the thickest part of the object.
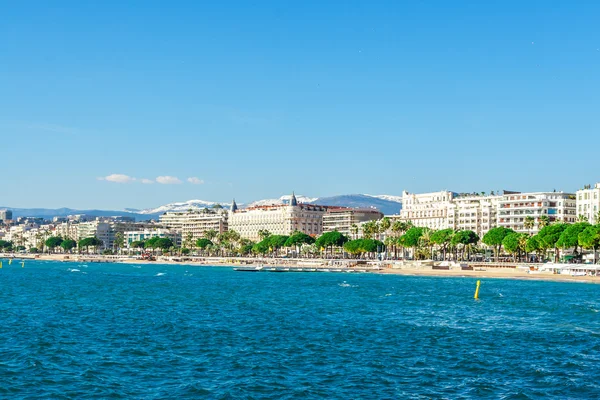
(297, 239)
(263, 234)
(385, 224)
(188, 242)
(276, 242)
(412, 238)
(549, 236)
(164, 243)
(90, 242)
(68, 245)
(589, 238)
(370, 228)
(138, 244)
(515, 243)
(597, 218)
(582, 218)
(53, 242)
(361, 246)
(529, 222)
(494, 238)
(330, 240)
(534, 245)
(543, 221)
(210, 234)
(119, 240)
(570, 236)
(5, 245)
(152, 243)
(442, 238)
(467, 239)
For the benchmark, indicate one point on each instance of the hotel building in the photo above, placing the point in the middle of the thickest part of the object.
(474, 213)
(343, 219)
(278, 219)
(428, 210)
(588, 203)
(514, 207)
(148, 233)
(195, 222)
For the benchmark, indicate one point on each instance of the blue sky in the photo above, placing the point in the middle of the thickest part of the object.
(256, 99)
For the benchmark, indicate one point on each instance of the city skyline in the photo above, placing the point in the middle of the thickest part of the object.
(116, 106)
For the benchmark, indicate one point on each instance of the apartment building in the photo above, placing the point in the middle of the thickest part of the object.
(148, 233)
(473, 212)
(428, 210)
(343, 219)
(278, 219)
(6, 215)
(514, 208)
(588, 203)
(196, 223)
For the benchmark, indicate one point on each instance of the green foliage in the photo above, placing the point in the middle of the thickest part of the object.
(138, 244)
(465, 238)
(550, 234)
(277, 241)
(5, 245)
(570, 236)
(119, 240)
(515, 243)
(534, 245)
(369, 229)
(543, 221)
(331, 239)
(360, 246)
(261, 247)
(68, 245)
(203, 243)
(495, 236)
(412, 237)
(152, 242)
(53, 242)
(246, 249)
(164, 243)
(442, 237)
(34, 250)
(263, 234)
(589, 238)
(298, 239)
(90, 242)
(185, 251)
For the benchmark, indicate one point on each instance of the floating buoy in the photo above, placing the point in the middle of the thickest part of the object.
(9, 261)
(0, 264)
(23, 264)
(477, 290)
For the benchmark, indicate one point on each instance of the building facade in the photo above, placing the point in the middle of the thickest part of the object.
(6, 215)
(514, 208)
(588, 203)
(347, 220)
(148, 233)
(428, 210)
(279, 219)
(195, 223)
(474, 213)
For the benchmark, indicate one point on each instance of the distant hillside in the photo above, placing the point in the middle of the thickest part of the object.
(49, 213)
(361, 201)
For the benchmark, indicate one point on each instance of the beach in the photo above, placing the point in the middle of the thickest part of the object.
(384, 268)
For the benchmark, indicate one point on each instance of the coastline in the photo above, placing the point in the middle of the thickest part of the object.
(492, 273)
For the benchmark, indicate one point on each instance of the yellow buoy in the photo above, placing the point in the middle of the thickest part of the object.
(9, 261)
(23, 264)
(477, 290)
(0, 264)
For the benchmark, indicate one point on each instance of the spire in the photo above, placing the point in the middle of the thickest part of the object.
(233, 206)
(293, 201)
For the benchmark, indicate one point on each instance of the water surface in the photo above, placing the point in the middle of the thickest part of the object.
(71, 330)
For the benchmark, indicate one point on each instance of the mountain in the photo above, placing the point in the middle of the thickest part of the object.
(387, 204)
(383, 203)
(49, 213)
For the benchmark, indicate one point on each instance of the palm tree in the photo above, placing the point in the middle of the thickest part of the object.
(597, 218)
(210, 234)
(582, 218)
(543, 221)
(354, 230)
(529, 223)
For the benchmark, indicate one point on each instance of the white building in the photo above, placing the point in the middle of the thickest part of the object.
(280, 219)
(6, 215)
(588, 203)
(514, 207)
(344, 220)
(145, 234)
(473, 212)
(195, 223)
(429, 210)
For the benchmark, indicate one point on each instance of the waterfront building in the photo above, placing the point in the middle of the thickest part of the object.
(196, 223)
(278, 219)
(148, 233)
(588, 203)
(472, 212)
(428, 210)
(347, 220)
(6, 215)
(514, 208)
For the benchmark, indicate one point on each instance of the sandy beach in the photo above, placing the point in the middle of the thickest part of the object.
(385, 269)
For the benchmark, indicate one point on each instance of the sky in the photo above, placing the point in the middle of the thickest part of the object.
(135, 104)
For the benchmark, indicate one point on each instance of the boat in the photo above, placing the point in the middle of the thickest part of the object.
(248, 269)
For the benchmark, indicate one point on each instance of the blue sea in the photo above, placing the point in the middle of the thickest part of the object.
(82, 331)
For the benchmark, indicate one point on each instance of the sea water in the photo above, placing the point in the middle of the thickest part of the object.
(150, 331)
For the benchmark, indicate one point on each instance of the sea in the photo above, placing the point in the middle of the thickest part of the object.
(151, 331)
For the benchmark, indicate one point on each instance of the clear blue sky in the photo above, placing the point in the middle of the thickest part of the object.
(259, 98)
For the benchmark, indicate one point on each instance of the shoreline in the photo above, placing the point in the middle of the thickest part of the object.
(492, 273)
